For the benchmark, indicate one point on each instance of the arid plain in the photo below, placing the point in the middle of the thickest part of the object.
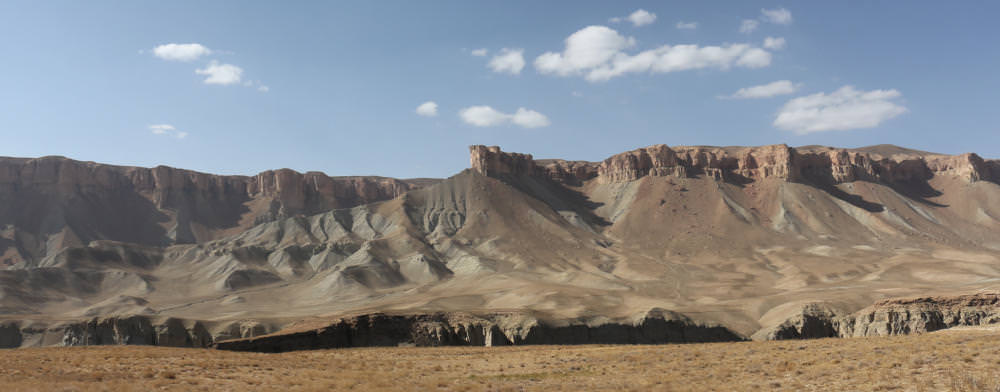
(951, 360)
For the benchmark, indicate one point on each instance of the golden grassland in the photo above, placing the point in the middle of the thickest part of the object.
(943, 361)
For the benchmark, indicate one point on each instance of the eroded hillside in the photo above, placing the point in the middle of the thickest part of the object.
(743, 238)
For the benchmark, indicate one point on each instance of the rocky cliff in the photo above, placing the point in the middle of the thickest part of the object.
(925, 314)
(738, 164)
(50, 203)
(500, 329)
(897, 316)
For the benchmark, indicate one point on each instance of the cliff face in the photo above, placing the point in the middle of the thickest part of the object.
(459, 329)
(916, 315)
(898, 316)
(50, 203)
(826, 165)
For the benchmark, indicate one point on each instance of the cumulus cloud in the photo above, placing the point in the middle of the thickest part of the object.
(597, 53)
(781, 87)
(774, 43)
(844, 109)
(223, 74)
(181, 52)
(486, 116)
(687, 25)
(427, 109)
(263, 89)
(748, 26)
(777, 16)
(167, 130)
(508, 61)
(481, 52)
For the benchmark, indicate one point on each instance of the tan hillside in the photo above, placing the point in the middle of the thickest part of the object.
(747, 239)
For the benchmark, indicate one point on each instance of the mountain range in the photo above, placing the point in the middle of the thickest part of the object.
(698, 243)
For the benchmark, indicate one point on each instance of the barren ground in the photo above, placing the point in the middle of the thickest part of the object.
(959, 360)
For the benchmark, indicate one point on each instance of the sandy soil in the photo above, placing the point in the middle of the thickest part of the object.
(953, 361)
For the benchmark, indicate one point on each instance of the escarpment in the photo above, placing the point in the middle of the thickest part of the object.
(52, 202)
(924, 314)
(896, 316)
(738, 164)
(769, 242)
(500, 329)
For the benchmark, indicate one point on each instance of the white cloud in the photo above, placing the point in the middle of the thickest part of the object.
(167, 130)
(597, 53)
(641, 17)
(687, 25)
(508, 61)
(774, 43)
(776, 16)
(427, 109)
(748, 26)
(844, 109)
(781, 87)
(481, 52)
(180, 52)
(638, 18)
(587, 48)
(260, 87)
(485, 116)
(529, 118)
(224, 74)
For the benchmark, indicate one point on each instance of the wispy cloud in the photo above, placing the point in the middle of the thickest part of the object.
(774, 43)
(687, 25)
(481, 52)
(167, 130)
(638, 18)
(748, 26)
(777, 16)
(781, 87)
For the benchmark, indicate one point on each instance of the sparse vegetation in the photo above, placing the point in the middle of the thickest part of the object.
(950, 361)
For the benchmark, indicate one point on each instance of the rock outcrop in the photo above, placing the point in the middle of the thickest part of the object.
(501, 329)
(897, 316)
(813, 321)
(125, 330)
(917, 315)
(50, 203)
(817, 165)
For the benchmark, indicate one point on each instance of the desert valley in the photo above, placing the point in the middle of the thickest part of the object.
(499, 196)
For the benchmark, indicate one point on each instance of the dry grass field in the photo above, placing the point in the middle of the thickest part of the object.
(967, 360)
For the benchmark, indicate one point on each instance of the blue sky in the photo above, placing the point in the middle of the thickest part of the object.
(343, 80)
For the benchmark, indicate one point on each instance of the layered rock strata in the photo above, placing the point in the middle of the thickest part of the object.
(891, 317)
(460, 329)
(125, 330)
(827, 165)
(52, 202)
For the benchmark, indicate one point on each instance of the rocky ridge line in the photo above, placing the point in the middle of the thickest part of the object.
(780, 161)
